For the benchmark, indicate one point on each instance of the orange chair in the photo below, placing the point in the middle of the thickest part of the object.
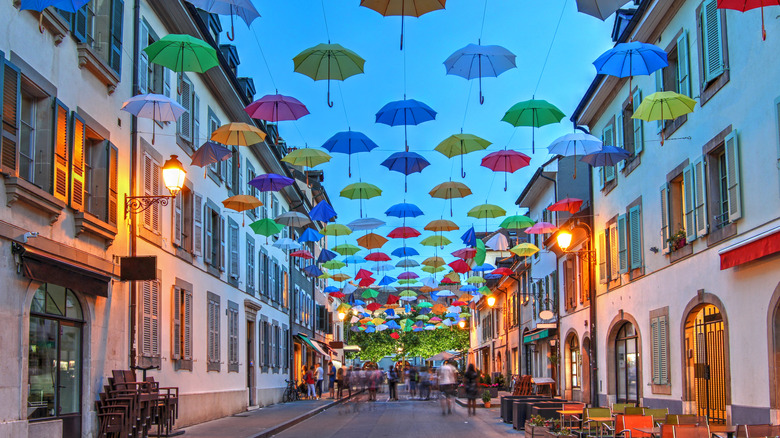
(572, 418)
(758, 431)
(626, 425)
(691, 431)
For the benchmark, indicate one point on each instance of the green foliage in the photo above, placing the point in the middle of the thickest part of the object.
(486, 396)
(426, 343)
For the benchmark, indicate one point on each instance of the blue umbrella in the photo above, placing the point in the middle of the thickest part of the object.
(405, 112)
(607, 156)
(387, 280)
(491, 276)
(404, 210)
(434, 295)
(389, 312)
(210, 153)
(424, 311)
(312, 271)
(310, 235)
(370, 329)
(359, 303)
(355, 328)
(322, 212)
(483, 268)
(330, 289)
(406, 163)
(326, 255)
(271, 182)
(67, 5)
(243, 8)
(405, 251)
(468, 288)
(478, 61)
(470, 237)
(349, 142)
(631, 59)
(36, 5)
(354, 259)
(392, 325)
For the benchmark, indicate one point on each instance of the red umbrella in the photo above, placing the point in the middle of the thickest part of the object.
(465, 253)
(746, 5)
(408, 276)
(275, 108)
(395, 335)
(459, 303)
(502, 271)
(368, 281)
(403, 233)
(507, 161)
(447, 279)
(460, 267)
(373, 306)
(337, 294)
(361, 274)
(304, 254)
(377, 257)
(392, 299)
(572, 205)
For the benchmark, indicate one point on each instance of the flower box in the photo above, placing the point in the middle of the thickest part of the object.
(532, 431)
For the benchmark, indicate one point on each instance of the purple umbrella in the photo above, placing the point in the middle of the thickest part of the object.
(271, 182)
(209, 153)
(406, 163)
(276, 108)
(408, 276)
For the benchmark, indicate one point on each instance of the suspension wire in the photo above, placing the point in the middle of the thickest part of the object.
(325, 19)
(262, 54)
(343, 105)
(468, 100)
(484, 13)
(546, 58)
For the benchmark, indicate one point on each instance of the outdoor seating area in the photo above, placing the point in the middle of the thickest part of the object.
(131, 408)
(555, 418)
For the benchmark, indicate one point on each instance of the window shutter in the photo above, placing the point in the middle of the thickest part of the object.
(177, 218)
(195, 121)
(732, 176)
(151, 181)
(229, 170)
(113, 185)
(609, 173)
(10, 127)
(78, 142)
(614, 266)
(601, 178)
(683, 65)
(184, 126)
(60, 177)
(700, 196)
(143, 60)
(635, 230)
(665, 217)
(261, 280)
(602, 239)
(568, 268)
(187, 348)
(234, 270)
(584, 268)
(115, 42)
(622, 244)
(239, 175)
(663, 350)
(656, 351)
(659, 86)
(619, 136)
(222, 242)
(176, 320)
(78, 25)
(639, 125)
(711, 40)
(146, 318)
(208, 226)
(166, 76)
(688, 204)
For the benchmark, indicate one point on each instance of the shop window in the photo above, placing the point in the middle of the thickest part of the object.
(626, 355)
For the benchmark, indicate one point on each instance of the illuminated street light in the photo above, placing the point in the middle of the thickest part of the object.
(491, 300)
(564, 240)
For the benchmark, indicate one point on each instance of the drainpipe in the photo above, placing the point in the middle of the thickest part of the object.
(133, 155)
(594, 373)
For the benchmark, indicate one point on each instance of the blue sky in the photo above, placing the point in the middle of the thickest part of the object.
(524, 27)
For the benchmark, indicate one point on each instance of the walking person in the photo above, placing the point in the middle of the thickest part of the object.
(332, 379)
(446, 385)
(320, 374)
(470, 383)
(309, 379)
(413, 382)
(392, 381)
(425, 384)
(340, 381)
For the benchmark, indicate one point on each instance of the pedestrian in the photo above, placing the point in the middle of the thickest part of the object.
(340, 380)
(373, 382)
(320, 374)
(309, 379)
(349, 381)
(446, 385)
(413, 382)
(392, 381)
(425, 384)
(332, 379)
(470, 384)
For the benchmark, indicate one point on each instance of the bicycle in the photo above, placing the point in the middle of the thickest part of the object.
(291, 392)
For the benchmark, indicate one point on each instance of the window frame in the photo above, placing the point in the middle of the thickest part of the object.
(708, 88)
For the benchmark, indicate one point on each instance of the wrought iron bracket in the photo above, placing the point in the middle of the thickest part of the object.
(585, 254)
(138, 204)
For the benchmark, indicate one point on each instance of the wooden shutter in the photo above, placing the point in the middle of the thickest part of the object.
(195, 121)
(663, 351)
(166, 80)
(635, 237)
(601, 178)
(187, 323)
(222, 241)
(250, 265)
(619, 136)
(568, 271)
(683, 65)
(176, 304)
(116, 37)
(143, 60)
(602, 240)
(10, 128)
(60, 178)
(150, 329)
(234, 242)
(208, 236)
(78, 25)
(584, 269)
(733, 176)
(656, 349)
(665, 217)
(639, 124)
(614, 266)
(78, 143)
(113, 185)
(184, 123)
(622, 244)
(700, 196)
(151, 187)
(197, 223)
(712, 41)
(177, 219)
(689, 203)
(230, 166)
(232, 337)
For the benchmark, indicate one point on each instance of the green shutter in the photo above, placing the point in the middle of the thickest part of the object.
(622, 244)
(639, 125)
(115, 39)
(635, 233)
(712, 40)
(665, 216)
(733, 176)
(683, 65)
(656, 349)
(620, 136)
(689, 202)
(78, 24)
(663, 351)
(601, 178)
(700, 196)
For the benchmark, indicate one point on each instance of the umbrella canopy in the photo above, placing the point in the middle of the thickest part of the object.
(333, 264)
(516, 222)
(484, 267)
(314, 271)
(469, 237)
(507, 161)
(336, 230)
(664, 105)
(287, 244)
(436, 241)
(406, 263)
(182, 53)
(746, 5)
(441, 225)
(383, 267)
(575, 144)
(600, 9)
(478, 61)
(479, 257)
(349, 142)
(365, 224)
(404, 8)
(403, 233)
(360, 190)
(449, 190)
(238, 134)
(387, 280)
(325, 256)
(372, 241)
(607, 156)
(341, 277)
(498, 242)
(458, 266)
(310, 235)
(525, 249)
(304, 254)
(631, 59)
(276, 108)
(378, 257)
(405, 251)
(572, 205)
(242, 203)
(346, 249)
(432, 269)
(485, 211)
(328, 62)
(406, 163)
(361, 274)
(154, 106)
(475, 279)
(461, 144)
(243, 8)
(39, 5)
(408, 276)
(405, 112)
(404, 210)
(322, 212)
(266, 227)
(541, 228)
(209, 153)
(306, 157)
(533, 113)
(434, 261)
(270, 182)
(465, 253)
(502, 271)
(293, 219)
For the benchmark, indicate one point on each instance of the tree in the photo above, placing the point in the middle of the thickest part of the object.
(374, 346)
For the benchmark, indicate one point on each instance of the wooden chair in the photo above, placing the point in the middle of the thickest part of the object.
(626, 425)
(593, 427)
(619, 408)
(690, 431)
(758, 431)
(572, 418)
(634, 410)
(659, 415)
(686, 419)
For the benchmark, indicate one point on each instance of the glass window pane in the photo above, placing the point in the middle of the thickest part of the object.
(73, 308)
(39, 300)
(42, 368)
(70, 370)
(55, 302)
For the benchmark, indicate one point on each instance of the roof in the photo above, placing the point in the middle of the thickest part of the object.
(532, 190)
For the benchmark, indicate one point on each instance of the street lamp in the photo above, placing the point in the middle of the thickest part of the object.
(564, 240)
(342, 315)
(462, 324)
(491, 300)
(173, 179)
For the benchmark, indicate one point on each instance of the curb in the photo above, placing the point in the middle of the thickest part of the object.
(299, 419)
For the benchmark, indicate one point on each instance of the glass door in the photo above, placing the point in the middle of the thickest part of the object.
(69, 369)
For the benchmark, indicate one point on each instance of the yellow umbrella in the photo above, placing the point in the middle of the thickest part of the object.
(453, 276)
(435, 241)
(434, 261)
(441, 225)
(525, 249)
(461, 144)
(340, 277)
(238, 134)
(449, 190)
(664, 105)
(306, 157)
(242, 203)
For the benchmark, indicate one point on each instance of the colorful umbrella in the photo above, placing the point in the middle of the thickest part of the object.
(664, 105)
(498, 242)
(328, 62)
(406, 163)
(346, 249)
(403, 233)
(322, 212)
(600, 9)
(469, 237)
(432, 269)
(293, 219)
(276, 108)
(440, 225)
(157, 107)
(406, 263)
(310, 235)
(405, 251)
(746, 5)
(404, 210)
(349, 142)
(304, 254)
(435, 241)
(434, 262)
(507, 161)
(465, 253)
(607, 156)
(385, 281)
(372, 241)
(449, 190)
(266, 227)
(478, 61)
(575, 144)
(479, 257)
(631, 59)
(306, 157)
(525, 249)
(572, 205)
(39, 5)
(361, 191)
(325, 256)
(209, 153)
(238, 134)
(365, 224)
(533, 113)
(484, 267)
(336, 230)
(408, 276)
(314, 271)
(242, 203)
(271, 182)
(182, 53)
(461, 144)
(370, 293)
(486, 211)
(404, 8)
(341, 277)
(243, 8)
(334, 264)
(287, 244)
(459, 266)
(516, 222)
(541, 228)
(378, 257)
(502, 271)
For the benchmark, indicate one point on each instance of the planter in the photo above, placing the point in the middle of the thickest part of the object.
(548, 434)
(487, 404)
(532, 431)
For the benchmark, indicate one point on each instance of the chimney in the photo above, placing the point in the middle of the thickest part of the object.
(230, 53)
(248, 88)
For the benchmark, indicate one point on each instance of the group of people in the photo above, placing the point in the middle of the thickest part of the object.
(313, 378)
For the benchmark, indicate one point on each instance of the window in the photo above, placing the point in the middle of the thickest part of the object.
(721, 169)
(215, 169)
(266, 337)
(285, 343)
(149, 328)
(188, 124)
(232, 337)
(575, 362)
(659, 329)
(233, 178)
(151, 182)
(570, 279)
(183, 219)
(233, 267)
(620, 247)
(629, 133)
(214, 236)
(607, 176)
(676, 209)
(262, 283)
(251, 190)
(212, 327)
(154, 78)
(98, 24)
(277, 346)
(181, 333)
(250, 264)
(626, 355)
(713, 49)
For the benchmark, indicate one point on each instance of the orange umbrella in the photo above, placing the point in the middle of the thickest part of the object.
(242, 203)
(340, 277)
(434, 261)
(441, 225)
(238, 134)
(439, 309)
(371, 241)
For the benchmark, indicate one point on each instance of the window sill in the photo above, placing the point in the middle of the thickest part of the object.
(214, 271)
(182, 365)
(149, 361)
(719, 235)
(184, 254)
(681, 253)
(608, 187)
(709, 90)
(661, 389)
(17, 189)
(631, 164)
(671, 127)
(94, 63)
(149, 235)
(55, 24)
(88, 223)
(185, 145)
(213, 366)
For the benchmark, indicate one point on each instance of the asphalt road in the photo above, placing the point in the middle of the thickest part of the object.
(405, 418)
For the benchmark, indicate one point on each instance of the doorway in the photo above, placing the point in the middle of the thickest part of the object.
(586, 370)
(251, 372)
(705, 361)
(627, 375)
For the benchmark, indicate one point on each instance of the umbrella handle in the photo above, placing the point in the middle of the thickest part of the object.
(40, 22)
(763, 29)
(232, 28)
(462, 172)
(505, 186)
(481, 97)
(402, 25)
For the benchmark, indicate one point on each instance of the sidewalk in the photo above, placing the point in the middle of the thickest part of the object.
(261, 422)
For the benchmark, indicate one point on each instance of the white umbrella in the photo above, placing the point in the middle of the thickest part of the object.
(157, 107)
(600, 9)
(498, 242)
(293, 219)
(287, 244)
(365, 224)
(575, 144)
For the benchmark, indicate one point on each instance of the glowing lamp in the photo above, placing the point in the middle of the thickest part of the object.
(462, 324)
(491, 300)
(173, 175)
(564, 240)
(342, 315)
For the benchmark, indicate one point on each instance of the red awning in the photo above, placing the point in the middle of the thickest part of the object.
(751, 249)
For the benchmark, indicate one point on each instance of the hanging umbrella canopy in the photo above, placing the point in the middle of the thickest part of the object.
(406, 163)
(664, 105)
(746, 5)
(449, 190)
(484, 267)
(334, 264)
(378, 257)
(572, 205)
(293, 219)
(383, 267)
(157, 107)
(465, 253)
(304, 254)
(404, 8)
(403, 233)
(372, 241)
(435, 241)
(525, 249)
(502, 271)
(387, 280)
(475, 279)
(461, 144)
(507, 161)
(484, 211)
(349, 142)
(479, 257)
(243, 8)
(498, 242)
(325, 256)
(341, 277)
(209, 153)
(182, 53)
(541, 228)
(478, 61)
(310, 235)
(238, 134)
(575, 144)
(631, 59)
(360, 190)
(242, 203)
(365, 224)
(306, 157)
(326, 62)
(346, 249)
(270, 182)
(39, 5)
(607, 156)
(407, 263)
(266, 227)
(405, 112)
(336, 230)
(404, 210)
(370, 293)
(458, 266)
(313, 271)
(533, 113)
(434, 261)
(287, 244)
(432, 269)
(600, 9)
(516, 222)
(405, 251)
(354, 259)
(441, 225)
(322, 212)
(469, 237)
(276, 108)
(408, 276)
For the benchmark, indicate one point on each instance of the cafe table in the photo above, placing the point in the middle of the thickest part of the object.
(716, 430)
(601, 420)
(568, 413)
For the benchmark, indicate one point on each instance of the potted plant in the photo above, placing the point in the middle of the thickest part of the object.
(554, 430)
(486, 398)
(677, 240)
(534, 426)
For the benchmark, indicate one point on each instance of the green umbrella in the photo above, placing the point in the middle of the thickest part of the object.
(516, 222)
(361, 191)
(664, 105)
(425, 304)
(334, 264)
(465, 315)
(485, 211)
(461, 144)
(266, 227)
(328, 61)
(433, 270)
(475, 279)
(336, 230)
(484, 290)
(435, 241)
(346, 249)
(533, 113)
(370, 293)
(408, 293)
(182, 53)
(408, 281)
(479, 257)
(422, 317)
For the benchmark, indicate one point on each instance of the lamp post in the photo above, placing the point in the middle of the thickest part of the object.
(173, 178)
(564, 239)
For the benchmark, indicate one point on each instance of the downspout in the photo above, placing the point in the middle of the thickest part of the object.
(594, 373)
(133, 247)
(557, 312)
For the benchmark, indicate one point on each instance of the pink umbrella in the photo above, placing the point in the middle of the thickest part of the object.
(465, 253)
(275, 108)
(541, 228)
(408, 276)
(377, 257)
(507, 161)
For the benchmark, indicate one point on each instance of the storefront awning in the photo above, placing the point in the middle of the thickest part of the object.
(43, 267)
(758, 246)
(314, 345)
(537, 335)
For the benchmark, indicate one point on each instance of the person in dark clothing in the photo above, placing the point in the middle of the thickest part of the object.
(470, 384)
(392, 381)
